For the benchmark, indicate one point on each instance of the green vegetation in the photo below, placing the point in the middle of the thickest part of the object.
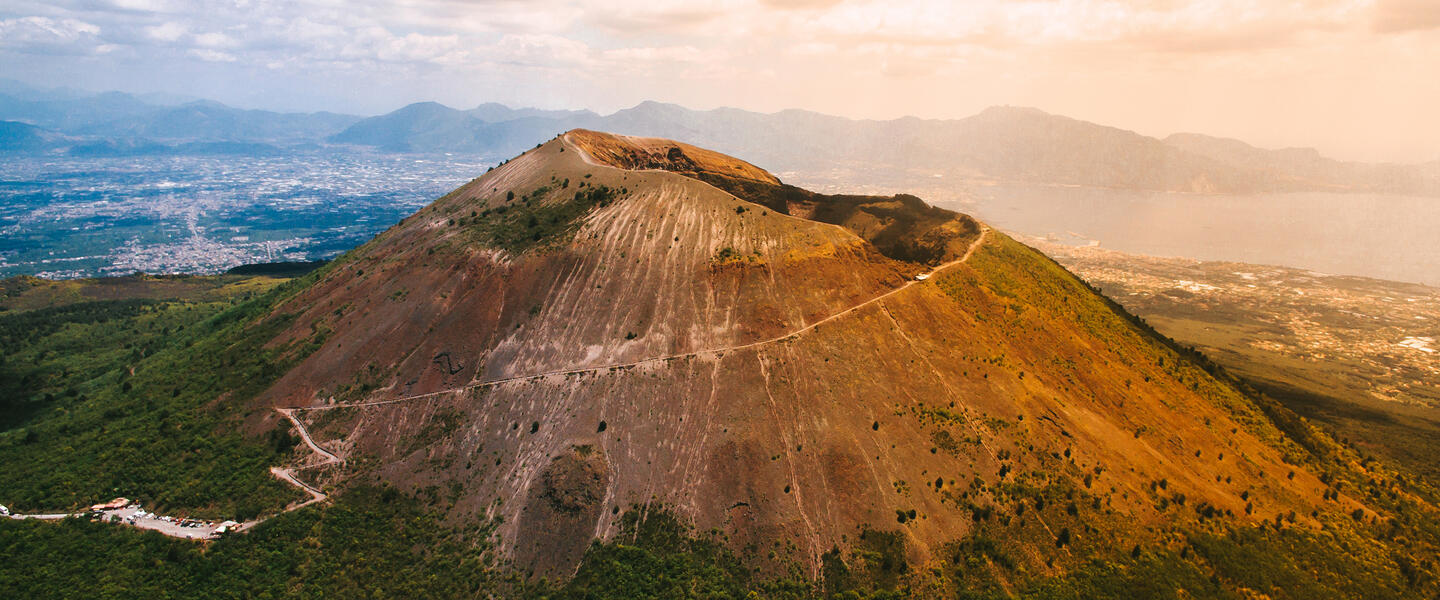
(372, 543)
(537, 219)
(912, 230)
(142, 399)
(41, 361)
(656, 557)
(378, 543)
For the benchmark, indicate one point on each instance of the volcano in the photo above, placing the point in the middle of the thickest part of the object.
(608, 325)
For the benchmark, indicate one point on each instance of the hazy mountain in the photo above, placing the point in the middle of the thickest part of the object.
(160, 117)
(1306, 168)
(22, 137)
(423, 125)
(495, 113)
(1008, 143)
(22, 91)
(1001, 143)
(214, 121)
(491, 129)
(67, 114)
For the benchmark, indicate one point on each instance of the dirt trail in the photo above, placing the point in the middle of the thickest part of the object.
(288, 475)
(984, 233)
(328, 458)
(289, 413)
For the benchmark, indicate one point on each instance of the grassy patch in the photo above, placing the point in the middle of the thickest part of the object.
(542, 217)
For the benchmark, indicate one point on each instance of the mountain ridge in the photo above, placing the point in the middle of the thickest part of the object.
(652, 351)
(1005, 143)
(1010, 143)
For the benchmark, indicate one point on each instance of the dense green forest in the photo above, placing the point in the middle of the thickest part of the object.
(117, 397)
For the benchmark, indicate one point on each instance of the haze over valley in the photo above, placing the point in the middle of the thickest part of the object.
(1030, 172)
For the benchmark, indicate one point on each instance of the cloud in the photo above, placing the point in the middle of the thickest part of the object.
(168, 31)
(209, 55)
(47, 35)
(660, 16)
(214, 39)
(1215, 25)
(537, 50)
(801, 4)
(683, 54)
(151, 6)
(1393, 16)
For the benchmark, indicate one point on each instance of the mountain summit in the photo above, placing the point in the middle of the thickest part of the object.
(609, 324)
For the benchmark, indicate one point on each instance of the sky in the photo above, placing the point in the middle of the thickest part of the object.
(1358, 79)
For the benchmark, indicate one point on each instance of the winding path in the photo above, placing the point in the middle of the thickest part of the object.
(288, 475)
(316, 495)
(980, 239)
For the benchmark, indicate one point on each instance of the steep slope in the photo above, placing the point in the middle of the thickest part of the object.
(591, 329)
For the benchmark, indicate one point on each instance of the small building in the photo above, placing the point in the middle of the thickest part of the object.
(117, 503)
(922, 277)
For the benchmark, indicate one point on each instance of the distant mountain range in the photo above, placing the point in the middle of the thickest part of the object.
(1000, 143)
(114, 123)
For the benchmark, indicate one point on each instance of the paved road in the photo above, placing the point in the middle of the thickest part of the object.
(135, 517)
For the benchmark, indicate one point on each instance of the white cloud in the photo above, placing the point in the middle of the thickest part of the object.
(209, 55)
(168, 31)
(537, 49)
(44, 31)
(153, 6)
(214, 39)
(686, 54)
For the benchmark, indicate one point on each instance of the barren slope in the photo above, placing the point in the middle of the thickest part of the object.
(608, 338)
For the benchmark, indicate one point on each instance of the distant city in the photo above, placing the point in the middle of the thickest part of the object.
(66, 217)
